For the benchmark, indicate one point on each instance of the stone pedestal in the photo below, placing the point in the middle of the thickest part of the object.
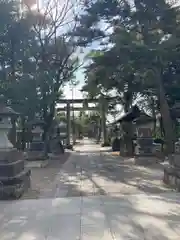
(172, 169)
(68, 113)
(14, 177)
(36, 156)
(145, 153)
(158, 151)
(36, 151)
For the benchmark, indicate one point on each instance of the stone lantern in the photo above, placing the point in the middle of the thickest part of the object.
(36, 153)
(37, 133)
(14, 177)
(145, 149)
(57, 140)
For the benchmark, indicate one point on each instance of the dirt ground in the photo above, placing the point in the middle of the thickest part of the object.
(42, 178)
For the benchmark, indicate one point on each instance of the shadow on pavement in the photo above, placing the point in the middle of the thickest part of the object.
(128, 217)
(113, 169)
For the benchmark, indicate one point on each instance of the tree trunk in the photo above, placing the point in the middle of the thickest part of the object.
(48, 119)
(127, 143)
(12, 133)
(127, 148)
(23, 134)
(13, 60)
(166, 119)
(153, 114)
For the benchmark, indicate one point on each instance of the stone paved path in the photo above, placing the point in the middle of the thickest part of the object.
(89, 172)
(96, 196)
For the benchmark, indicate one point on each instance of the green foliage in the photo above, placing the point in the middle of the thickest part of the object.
(84, 121)
(142, 40)
(139, 55)
(35, 59)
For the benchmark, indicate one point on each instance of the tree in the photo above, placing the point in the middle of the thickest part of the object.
(37, 57)
(16, 66)
(54, 55)
(136, 50)
(15, 62)
(88, 124)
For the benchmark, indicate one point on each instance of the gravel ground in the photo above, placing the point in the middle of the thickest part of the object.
(42, 178)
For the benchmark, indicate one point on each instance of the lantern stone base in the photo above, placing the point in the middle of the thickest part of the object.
(14, 177)
(172, 177)
(37, 163)
(37, 146)
(36, 159)
(36, 156)
(13, 188)
(11, 169)
(145, 159)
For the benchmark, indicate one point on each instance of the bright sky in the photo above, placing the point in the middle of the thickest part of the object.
(79, 74)
(76, 92)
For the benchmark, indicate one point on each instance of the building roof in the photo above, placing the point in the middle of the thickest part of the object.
(7, 111)
(143, 118)
(140, 117)
(129, 116)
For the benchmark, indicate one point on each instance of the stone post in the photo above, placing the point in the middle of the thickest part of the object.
(104, 132)
(103, 123)
(68, 114)
(12, 134)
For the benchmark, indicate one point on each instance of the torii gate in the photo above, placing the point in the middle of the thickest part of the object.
(103, 106)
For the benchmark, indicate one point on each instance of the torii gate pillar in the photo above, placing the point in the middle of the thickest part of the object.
(68, 114)
(103, 124)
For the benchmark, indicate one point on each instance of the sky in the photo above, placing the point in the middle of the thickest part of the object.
(80, 77)
(78, 94)
(79, 73)
(76, 91)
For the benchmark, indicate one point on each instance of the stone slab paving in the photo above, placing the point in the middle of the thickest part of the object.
(126, 217)
(96, 196)
(90, 174)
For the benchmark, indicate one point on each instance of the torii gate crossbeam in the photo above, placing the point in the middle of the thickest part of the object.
(68, 108)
